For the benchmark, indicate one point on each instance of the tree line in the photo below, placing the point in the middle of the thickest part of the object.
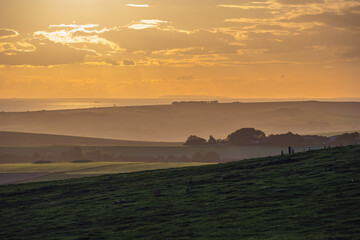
(252, 136)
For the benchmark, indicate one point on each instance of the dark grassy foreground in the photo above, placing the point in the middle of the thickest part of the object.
(314, 195)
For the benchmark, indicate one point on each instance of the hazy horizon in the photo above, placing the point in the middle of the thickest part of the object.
(47, 104)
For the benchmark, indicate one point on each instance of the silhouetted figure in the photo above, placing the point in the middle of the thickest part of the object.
(282, 153)
(289, 149)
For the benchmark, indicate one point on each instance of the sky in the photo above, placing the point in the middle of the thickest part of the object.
(154, 48)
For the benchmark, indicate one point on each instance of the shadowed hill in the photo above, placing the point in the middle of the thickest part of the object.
(312, 195)
(33, 139)
(176, 122)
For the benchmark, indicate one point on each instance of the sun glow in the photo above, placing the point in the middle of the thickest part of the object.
(274, 48)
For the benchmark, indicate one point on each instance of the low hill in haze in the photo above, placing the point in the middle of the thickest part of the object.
(177, 121)
(312, 195)
(34, 139)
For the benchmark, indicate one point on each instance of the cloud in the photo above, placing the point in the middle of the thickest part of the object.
(112, 62)
(347, 18)
(137, 5)
(245, 7)
(299, 2)
(239, 32)
(44, 55)
(76, 26)
(155, 39)
(128, 62)
(143, 24)
(182, 51)
(353, 53)
(8, 33)
(186, 77)
(80, 37)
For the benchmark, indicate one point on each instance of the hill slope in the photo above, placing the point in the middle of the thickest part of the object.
(313, 195)
(34, 139)
(176, 122)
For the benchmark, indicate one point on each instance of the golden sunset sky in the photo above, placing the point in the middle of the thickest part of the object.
(151, 48)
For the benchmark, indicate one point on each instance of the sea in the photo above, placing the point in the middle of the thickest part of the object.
(48, 104)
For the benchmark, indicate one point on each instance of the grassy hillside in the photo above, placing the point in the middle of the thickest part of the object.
(312, 195)
(29, 172)
(34, 139)
(176, 122)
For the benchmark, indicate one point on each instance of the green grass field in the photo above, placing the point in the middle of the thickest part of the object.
(66, 170)
(311, 195)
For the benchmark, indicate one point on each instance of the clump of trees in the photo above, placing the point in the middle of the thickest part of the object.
(285, 139)
(252, 136)
(245, 136)
(74, 153)
(195, 140)
(347, 139)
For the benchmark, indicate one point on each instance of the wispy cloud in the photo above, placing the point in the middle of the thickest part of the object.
(143, 24)
(74, 26)
(10, 48)
(8, 33)
(137, 5)
(81, 37)
(246, 7)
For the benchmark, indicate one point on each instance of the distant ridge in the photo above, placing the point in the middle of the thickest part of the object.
(36, 139)
(174, 123)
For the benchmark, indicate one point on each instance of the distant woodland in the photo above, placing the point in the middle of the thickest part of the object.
(252, 136)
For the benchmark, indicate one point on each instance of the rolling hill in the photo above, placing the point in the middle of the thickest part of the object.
(17, 139)
(176, 122)
(312, 195)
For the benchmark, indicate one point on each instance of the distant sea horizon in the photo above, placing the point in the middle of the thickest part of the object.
(50, 104)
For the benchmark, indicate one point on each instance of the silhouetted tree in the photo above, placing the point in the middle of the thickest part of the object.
(246, 136)
(285, 139)
(222, 141)
(197, 157)
(195, 140)
(36, 156)
(347, 139)
(212, 141)
(183, 158)
(211, 157)
(77, 152)
(74, 153)
(171, 159)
